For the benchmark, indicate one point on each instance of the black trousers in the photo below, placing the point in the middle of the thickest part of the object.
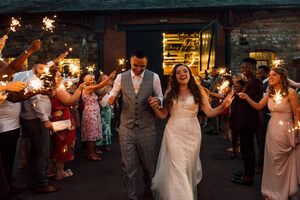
(8, 144)
(39, 138)
(247, 150)
(4, 188)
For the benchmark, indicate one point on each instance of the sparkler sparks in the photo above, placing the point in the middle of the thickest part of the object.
(91, 68)
(35, 84)
(222, 71)
(224, 87)
(121, 61)
(74, 69)
(48, 25)
(14, 23)
(278, 97)
(277, 62)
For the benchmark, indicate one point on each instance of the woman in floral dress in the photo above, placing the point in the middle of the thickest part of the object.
(91, 128)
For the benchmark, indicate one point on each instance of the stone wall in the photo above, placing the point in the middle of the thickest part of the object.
(281, 35)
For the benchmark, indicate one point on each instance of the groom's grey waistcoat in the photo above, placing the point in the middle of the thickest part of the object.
(135, 107)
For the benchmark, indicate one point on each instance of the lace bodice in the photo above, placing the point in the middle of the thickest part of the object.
(184, 109)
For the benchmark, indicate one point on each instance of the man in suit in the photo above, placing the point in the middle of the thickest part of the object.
(137, 130)
(248, 122)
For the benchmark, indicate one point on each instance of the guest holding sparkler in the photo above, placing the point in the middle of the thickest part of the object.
(91, 128)
(64, 140)
(6, 70)
(106, 114)
(281, 172)
(234, 114)
(248, 122)
(36, 124)
(9, 134)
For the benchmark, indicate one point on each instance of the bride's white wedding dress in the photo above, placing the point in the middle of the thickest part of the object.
(179, 169)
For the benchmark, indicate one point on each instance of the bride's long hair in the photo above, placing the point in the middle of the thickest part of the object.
(173, 88)
(283, 73)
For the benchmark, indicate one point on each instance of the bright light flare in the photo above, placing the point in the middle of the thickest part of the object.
(277, 62)
(278, 97)
(14, 23)
(48, 24)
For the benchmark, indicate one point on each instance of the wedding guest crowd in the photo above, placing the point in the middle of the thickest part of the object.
(259, 102)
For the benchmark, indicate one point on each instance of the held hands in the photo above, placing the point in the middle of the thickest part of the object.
(154, 102)
(112, 100)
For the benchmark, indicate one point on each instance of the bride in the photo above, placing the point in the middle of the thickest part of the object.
(179, 169)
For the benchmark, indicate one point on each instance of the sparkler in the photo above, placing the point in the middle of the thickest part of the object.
(91, 69)
(48, 25)
(277, 62)
(14, 23)
(35, 84)
(74, 69)
(224, 87)
(278, 97)
(121, 62)
(222, 71)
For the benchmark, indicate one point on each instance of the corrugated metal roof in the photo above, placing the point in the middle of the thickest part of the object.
(31, 6)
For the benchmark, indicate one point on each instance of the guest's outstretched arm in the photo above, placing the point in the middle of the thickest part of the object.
(258, 106)
(293, 83)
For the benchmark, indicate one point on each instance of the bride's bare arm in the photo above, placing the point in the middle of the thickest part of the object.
(211, 112)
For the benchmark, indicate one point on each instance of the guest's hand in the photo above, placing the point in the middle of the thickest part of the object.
(60, 57)
(243, 95)
(15, 86)
(35, 46)
(298, 109)
(228, 100)
(2, 97)
(112, 100)
(82, 86)
(48, 125)
(153, 102)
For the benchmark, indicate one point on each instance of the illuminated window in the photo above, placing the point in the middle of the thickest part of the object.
(263, 57)
(181, 48)
(70, 67)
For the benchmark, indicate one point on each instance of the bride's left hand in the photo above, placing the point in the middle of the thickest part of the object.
(228, 100)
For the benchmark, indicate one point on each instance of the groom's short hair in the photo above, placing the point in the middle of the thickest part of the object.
(139, 54)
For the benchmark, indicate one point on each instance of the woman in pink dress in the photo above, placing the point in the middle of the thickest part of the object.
(281, 172)
(91, 128)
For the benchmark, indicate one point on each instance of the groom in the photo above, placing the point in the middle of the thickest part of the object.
(137, 132)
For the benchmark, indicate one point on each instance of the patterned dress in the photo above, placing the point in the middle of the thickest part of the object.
(91, 127)
(106, 113)
(64, 141)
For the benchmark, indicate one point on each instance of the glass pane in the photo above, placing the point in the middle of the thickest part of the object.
(181, 48)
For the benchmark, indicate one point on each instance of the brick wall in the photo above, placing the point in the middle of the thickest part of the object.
(281, 34)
